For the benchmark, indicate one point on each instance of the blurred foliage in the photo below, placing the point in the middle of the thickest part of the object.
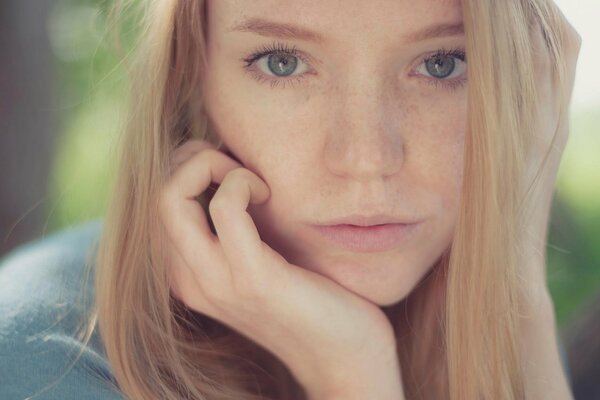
(574, 237)
(93, 92)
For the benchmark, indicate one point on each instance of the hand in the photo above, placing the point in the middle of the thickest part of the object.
(330, 338)
(545, 378)
(552, 123)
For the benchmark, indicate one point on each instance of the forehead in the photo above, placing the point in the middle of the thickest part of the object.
(338, 18)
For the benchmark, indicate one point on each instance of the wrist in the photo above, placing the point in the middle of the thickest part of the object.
(539, 317)
(384, 391)
(382, 382)
(535, 299)
(545, 377)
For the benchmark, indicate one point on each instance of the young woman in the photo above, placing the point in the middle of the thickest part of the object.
(318, 200)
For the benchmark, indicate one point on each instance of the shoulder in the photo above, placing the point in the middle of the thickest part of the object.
(46, 295)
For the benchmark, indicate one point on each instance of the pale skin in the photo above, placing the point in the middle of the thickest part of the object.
(355, 134)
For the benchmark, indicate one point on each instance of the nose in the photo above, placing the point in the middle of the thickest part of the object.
(364, 141)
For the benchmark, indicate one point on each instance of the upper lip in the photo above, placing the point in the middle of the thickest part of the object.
(367, 220)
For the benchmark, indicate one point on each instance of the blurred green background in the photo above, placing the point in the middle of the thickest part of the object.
(91, 93)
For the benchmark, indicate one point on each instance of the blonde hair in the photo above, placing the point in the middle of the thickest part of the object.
(457, 332)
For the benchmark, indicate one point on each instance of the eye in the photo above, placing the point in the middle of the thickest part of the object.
(280, 64)
(445, 67)
(277, 64)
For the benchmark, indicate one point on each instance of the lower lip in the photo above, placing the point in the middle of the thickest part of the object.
(375, 238)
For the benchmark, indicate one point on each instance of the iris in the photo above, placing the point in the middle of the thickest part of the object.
(282, 64)
(440, 66)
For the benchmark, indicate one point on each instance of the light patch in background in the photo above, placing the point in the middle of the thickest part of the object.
(579, 175)
(584, 15)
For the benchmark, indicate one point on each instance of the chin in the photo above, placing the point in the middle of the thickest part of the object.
(383, 279)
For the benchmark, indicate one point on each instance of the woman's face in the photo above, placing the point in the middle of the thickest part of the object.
(346, 117)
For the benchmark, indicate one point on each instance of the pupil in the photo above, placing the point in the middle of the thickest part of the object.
(282, 64)
(440, 67)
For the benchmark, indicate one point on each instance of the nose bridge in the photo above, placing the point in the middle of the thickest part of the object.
(365, 141)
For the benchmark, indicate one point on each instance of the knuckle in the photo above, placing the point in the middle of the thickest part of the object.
(201, 143)
(239, 173)
(578, 41)
(189, 150)
(211, 152)
(573, 39)
(237, 177)
(219, 203)
(194, 146)
(217, 206)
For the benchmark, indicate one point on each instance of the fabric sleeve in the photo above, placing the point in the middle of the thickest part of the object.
(44, 300)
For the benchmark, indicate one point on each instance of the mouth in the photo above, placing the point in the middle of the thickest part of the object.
(371, 238)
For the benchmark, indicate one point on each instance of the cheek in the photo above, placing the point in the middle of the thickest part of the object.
(270, 143)
(254, 126)
(434, 144)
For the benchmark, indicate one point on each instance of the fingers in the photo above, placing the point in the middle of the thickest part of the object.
(237, 232)
(184, 282)
(195, 174)
(203, 266)
(569, 34)
(182, 216)
(556, 46)
(565, 38)
(568, 45)
(187, 150)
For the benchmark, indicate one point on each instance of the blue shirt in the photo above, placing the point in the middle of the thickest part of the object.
(44, 295)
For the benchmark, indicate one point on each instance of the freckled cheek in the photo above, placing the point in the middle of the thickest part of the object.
(447, 159)
(275, 145)
(455, 131)
(251, 127)
(450, 166)
(434, 147)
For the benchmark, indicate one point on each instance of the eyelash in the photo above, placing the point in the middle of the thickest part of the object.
(276, 47)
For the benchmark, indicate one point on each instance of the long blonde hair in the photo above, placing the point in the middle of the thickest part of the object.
(457, 332)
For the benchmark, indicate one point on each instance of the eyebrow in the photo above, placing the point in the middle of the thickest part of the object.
(268, 28)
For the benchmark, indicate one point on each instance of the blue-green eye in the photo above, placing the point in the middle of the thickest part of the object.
(279, 64)
(277, 61)
(440, 67)
(444, 64)
(282, 64)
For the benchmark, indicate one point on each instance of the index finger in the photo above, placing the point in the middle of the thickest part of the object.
(183, 217)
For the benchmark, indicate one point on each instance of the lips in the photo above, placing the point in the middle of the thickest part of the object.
(369, 220)
(367, 238)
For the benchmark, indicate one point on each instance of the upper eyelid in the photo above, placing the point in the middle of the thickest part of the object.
(452, 52)
(298, 55)
(258, 54)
